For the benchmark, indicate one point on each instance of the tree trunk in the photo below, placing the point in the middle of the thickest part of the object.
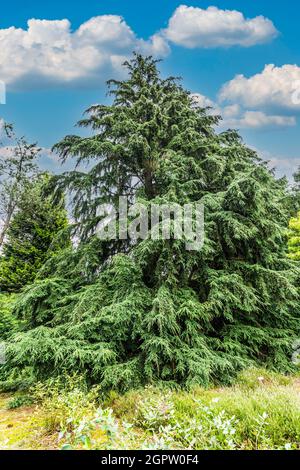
(149, 186)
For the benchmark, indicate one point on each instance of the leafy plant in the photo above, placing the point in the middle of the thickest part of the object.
(19, 401)
(65, 402)
(154, 411)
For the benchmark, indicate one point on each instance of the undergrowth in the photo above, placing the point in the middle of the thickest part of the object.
(261, 411)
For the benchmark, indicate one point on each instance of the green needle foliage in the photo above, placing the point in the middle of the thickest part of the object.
(7, 321)
(32, 236)
(127, 314)
(17, 168)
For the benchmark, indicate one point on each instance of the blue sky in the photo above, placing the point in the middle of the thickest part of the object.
(54, 70)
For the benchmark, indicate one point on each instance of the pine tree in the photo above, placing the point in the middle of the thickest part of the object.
(31, 237)
(153, 311)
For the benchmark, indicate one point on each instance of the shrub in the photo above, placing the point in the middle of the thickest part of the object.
(65, 402)
(154, 410)
(19, 401)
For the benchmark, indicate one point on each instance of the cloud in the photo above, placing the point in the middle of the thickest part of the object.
(47, 160)
(6, 152)
(203, 101)
(49, 52)
(274, 87)
(259, 120)
(234, 116)
(283, 165)
(195, 27)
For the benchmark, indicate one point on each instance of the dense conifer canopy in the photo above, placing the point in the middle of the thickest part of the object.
(128, 314)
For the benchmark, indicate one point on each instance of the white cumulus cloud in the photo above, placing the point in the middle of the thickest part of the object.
(196, 27)
(235, 116)
(277, 87)
(283, 165)
(49, 52)
(259, 120)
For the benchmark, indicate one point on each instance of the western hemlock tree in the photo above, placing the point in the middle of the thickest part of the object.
(31, 237)
(153, 311)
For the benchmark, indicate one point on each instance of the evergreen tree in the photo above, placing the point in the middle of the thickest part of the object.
(31, 237)
(16, 170)
(152, 311)
(8, 323)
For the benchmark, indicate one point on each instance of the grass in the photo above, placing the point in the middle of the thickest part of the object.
(261, 411)
(23, 428)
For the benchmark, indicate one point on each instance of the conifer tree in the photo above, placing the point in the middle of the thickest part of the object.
(31, 236)
(153, 311)
(17, 167)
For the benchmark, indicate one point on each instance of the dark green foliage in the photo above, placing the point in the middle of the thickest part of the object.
(17, 169)
(130, 314)
(8, 323)
(19, 401)
(31, 237)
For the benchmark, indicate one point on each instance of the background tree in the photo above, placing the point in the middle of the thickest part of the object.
(293, 195)
(31, 236)
(7, 321)
(153, 311)
(17, 167)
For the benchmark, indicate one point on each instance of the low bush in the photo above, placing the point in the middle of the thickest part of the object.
(65, 402)
(19, 401)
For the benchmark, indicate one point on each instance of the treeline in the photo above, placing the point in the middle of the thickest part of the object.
(124, 313)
